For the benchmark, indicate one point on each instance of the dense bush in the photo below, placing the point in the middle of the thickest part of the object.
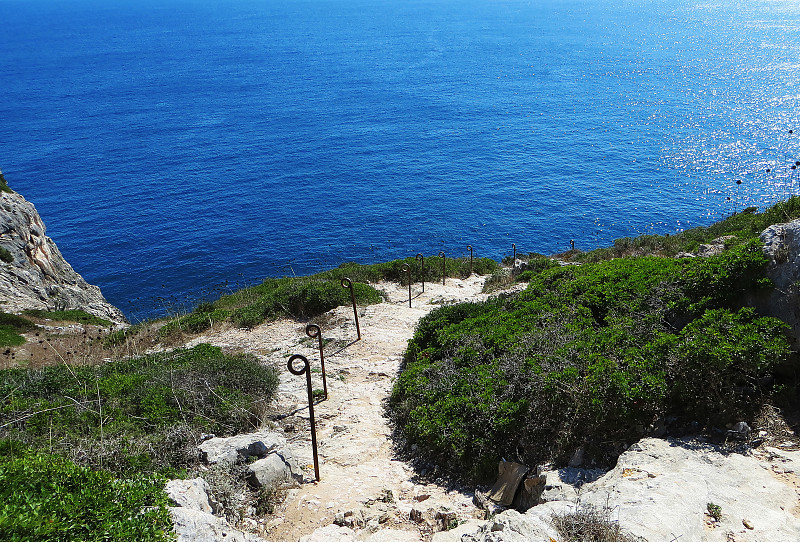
(586, 355)
(5, 255)
(140, 413)
(48, 498)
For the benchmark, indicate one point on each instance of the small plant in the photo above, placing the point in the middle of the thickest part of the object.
(6, 256)
(714, 510)
(4, 185)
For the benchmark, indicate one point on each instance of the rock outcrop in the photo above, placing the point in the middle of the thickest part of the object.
(34, 274)
(665, 489)
(782, 248)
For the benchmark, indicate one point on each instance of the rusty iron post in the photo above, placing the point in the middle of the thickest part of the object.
(307, 370)
(347, 283)
(313, 330)
(444, 267)
(514, 258)
(469, 247)
(421, 259)
(407, 269)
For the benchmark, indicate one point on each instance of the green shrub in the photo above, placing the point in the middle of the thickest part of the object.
(46, 497)
(6, 256)
(143, 412)
(4, 185)
(744, 226)
(585, 355)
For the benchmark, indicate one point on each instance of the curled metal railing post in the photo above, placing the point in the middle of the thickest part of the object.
(347, 283)
(313, 330)
(469, 247)
(421, 259)
(514, 257)
(307, 370)
(444, 267)
(407, 269)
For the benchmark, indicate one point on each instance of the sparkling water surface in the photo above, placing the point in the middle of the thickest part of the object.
(172, 146)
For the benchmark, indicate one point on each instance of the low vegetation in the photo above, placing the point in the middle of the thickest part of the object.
(588, 357)
(69, 316)
(307, 297)
(745, 225)
(48, 497)
(11, 328)
(590, 524)
(140, 414)
(4, 185)
(84, 449)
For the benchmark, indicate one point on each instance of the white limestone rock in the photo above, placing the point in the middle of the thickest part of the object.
(196, 526)
(228, 450)
(276, 469)
(191, 494)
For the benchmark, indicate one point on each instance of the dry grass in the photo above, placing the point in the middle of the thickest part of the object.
(780, 427)
(53, 343)
(590, 524)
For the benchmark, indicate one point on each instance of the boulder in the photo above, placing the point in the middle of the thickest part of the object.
(782, 249)
(191, 494)
(511, 526)
(276, 469)
(229, 450)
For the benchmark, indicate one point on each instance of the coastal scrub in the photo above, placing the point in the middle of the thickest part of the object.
(587, 357)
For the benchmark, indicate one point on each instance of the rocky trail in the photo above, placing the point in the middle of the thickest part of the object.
(662, 489)
(361, 479)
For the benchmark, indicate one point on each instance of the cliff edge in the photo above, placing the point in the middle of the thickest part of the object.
(34, 274)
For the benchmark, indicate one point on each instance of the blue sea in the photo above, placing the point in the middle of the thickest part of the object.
(179, 148)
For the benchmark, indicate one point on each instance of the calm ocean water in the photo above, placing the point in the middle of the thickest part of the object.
(173, 145)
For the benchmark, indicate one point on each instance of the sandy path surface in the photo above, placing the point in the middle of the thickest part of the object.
(357, 463)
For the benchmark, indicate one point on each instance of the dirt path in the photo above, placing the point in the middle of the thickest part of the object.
(357, 465)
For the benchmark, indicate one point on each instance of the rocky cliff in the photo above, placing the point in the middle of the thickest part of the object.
(34, 274)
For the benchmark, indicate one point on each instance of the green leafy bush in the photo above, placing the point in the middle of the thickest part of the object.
(586, 355)
(141, 413)
(48, 498)
(4, 185)
(6, 256)
(744, 226)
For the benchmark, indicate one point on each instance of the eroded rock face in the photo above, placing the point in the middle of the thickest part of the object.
(39, 277)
